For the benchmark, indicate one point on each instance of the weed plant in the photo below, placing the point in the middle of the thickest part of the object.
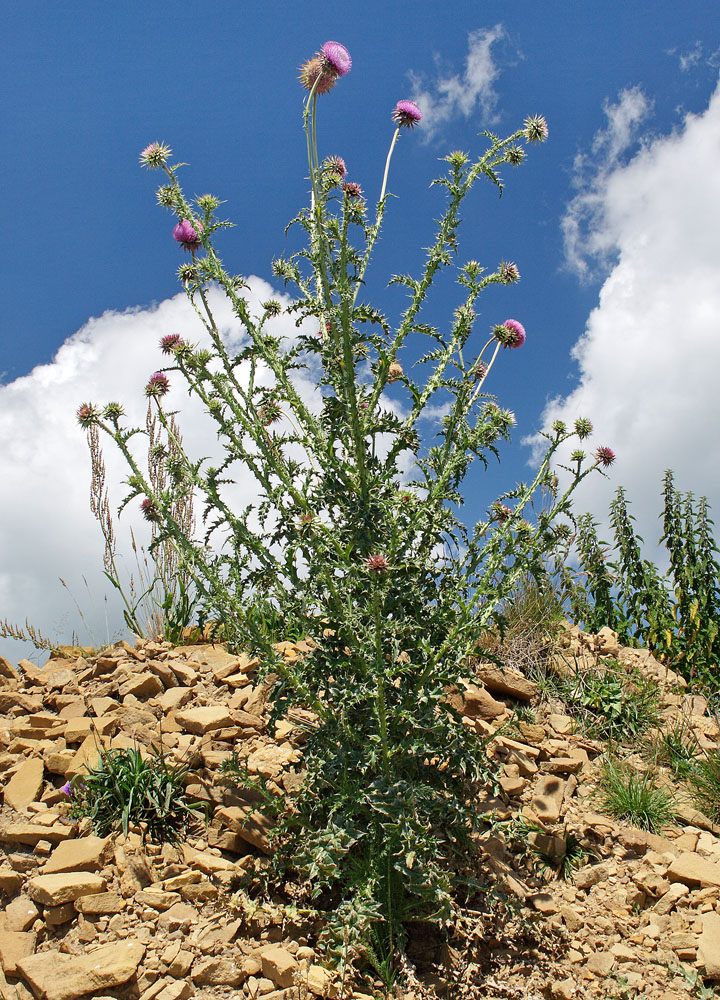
(676, 615)
(704, 781)
(676, 747)
(610, 702)
(130, 787)
(627, 794)
(345, 545)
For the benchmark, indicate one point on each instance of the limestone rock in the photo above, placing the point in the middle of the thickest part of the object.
(100, 903)
(218, 971)
(709, 945)
(477, 702)
(692, 869)
(204, 720)
(26, 784)
(548, 799)
(85, 854)
(14, 945)
(278, 965)
(249, 824)
(54, 976)
(65, 887)
(506, 682)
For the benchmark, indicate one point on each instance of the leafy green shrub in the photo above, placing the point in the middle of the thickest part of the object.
(127, 787)
(612, 703)
(676, 615)
(356, 540)
(627, 794)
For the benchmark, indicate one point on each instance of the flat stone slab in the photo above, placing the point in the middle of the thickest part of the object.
(65, 887)
(693, 869)
(54, 976)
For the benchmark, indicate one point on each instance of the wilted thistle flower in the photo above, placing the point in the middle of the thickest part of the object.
(377, 564)
(351, 189)
(113, 411)
(479, 371)
(515, 155)
(406, 114)
(87, 415)
(508, 272)
(536, 128)
(605, 456)
(272, 307)
(187, 235)
(500, 512)
(583, 427)
(510, 333)
(155, 155)
(306, 520)
(269, 412)
(395, 371)
(559, 427)
(158, 385)
(314, 74)
(150, 510)
(171, 343)
(337, 58)
(578, 455)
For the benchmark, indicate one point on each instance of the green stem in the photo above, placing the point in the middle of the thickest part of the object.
(380, 706)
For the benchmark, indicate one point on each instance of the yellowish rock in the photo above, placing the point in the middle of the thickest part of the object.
(65, 887)
(26, 784)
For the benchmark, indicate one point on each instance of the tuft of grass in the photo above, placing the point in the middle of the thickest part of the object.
(704, 781)
(611, 703)
(676, 747)
(627, 794)
(127, 787)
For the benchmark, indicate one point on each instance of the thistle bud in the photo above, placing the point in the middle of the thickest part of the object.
(605, 456)
(583, 427)
(377, 564)
(155, 155)
(536, 129)
(158, 385)
(150, 511)
(87, 415)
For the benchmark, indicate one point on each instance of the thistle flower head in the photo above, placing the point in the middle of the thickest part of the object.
(351, 189)
(515, 155)
(272, 307)
(155, 155)
(171, 343)
(188, 235)
(208, 202)
(335, 168)
(559, 427)
(150, 510)
(113, 411)
(406, 114)
(315, 74)
(166, 195)
(577, 456)
(87, 415)
(536, 129)
(511, 333)
(187, 273)
(337, 58)
(395, 371)
(158, 385)
(583, 427)
(500, 512)
(508, 272)
(479, 371)
(377, 564)
(605, 456)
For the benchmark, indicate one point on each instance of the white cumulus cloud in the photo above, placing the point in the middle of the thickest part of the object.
(472, 92)
(649, 357)
(47, 530)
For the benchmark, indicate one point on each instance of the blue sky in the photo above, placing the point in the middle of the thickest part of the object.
(586, 218)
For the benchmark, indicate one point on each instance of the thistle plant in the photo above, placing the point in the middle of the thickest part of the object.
(343, 546)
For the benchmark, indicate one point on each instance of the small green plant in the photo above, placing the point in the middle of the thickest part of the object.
(676, 747)
(127, 787)
(627, 794)
(612, 703)
(563, 865)
(704, 782)
(694, 981)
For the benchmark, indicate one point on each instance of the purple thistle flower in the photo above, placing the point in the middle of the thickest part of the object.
(605, 456)
(508, 272)
(406, 114)
(158, 385)
(187, 235)
(352, 189)
(66, 788)
(536, 128)
(150, 510)
(155, 155)
(500, 512)
(510, 333)
(377, 564)
(171, 343)
(335, 166)
(87, 415)
(337, 58)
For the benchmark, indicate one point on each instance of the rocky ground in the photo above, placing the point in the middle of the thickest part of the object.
(86, 916)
